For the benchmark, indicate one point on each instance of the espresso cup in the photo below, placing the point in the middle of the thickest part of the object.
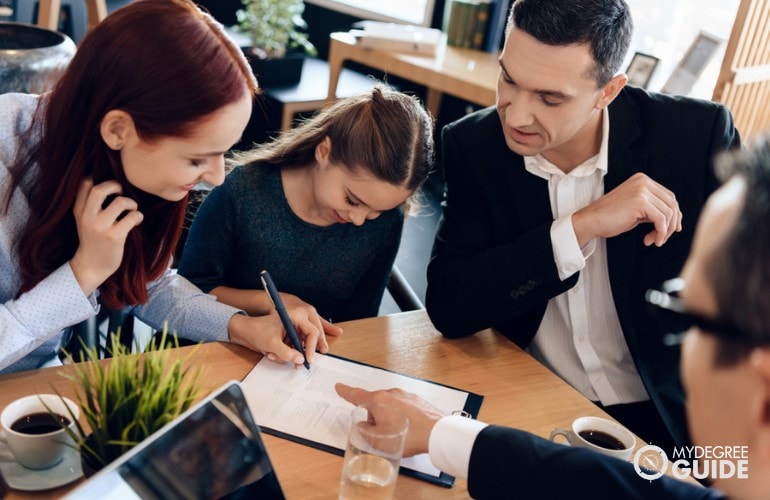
(599, 434)
(37, 438)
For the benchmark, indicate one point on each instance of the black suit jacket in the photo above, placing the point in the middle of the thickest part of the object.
(493, 264)
(508, 463)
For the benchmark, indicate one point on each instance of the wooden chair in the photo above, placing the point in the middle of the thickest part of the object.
(48, 13)
(744, 80)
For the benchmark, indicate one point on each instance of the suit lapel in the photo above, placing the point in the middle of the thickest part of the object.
(623, 162)
(532, 201)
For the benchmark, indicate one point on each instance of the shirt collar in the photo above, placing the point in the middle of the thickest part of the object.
(539, 166)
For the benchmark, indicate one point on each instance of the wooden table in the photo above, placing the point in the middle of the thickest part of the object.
(518, 391)
(465, 73)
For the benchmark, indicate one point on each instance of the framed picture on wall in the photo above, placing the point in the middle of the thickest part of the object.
(640, 69)
(694, 61)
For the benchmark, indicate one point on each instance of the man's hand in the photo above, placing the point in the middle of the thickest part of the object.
(422, 416)
(102, 230)
(639, 199)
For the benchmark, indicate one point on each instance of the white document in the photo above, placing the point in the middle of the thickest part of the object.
(398, 37)
(304, 404)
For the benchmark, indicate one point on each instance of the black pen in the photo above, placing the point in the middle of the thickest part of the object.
(275, 298)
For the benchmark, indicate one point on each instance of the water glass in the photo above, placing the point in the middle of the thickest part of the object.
(373, 452)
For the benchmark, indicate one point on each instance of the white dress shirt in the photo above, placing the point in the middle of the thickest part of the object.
(580, 337)
(451, 442)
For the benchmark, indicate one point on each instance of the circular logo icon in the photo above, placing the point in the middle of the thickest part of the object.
(650, 462)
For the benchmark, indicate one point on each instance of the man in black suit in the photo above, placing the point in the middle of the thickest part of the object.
(724, 299)
(556, 222)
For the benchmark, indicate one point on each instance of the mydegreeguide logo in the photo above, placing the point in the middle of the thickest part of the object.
(699, 462)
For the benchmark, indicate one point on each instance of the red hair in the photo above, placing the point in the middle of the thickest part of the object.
(168, 65)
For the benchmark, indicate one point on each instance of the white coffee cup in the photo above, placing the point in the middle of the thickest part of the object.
(26, 438)
(599, 434)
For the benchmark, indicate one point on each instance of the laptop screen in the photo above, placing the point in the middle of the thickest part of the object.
(214, 450)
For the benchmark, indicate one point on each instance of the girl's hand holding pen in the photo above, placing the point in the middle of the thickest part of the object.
(305, 319)
(267, 335)
(281, 332)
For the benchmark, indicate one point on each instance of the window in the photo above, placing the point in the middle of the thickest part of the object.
(666, 28)
(417, 12)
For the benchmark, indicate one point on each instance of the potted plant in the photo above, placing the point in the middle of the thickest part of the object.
(278, 42)
(126, 399)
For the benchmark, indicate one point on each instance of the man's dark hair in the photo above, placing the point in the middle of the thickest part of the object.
(739, 271)
(605, 25)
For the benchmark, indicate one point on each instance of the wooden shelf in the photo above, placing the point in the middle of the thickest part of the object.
(465, 73)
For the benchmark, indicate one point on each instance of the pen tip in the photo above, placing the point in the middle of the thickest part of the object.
(307, 365)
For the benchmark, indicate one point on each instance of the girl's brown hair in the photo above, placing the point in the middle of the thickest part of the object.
(382, 130)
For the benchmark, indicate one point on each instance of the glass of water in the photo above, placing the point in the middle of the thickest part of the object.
(373, 452)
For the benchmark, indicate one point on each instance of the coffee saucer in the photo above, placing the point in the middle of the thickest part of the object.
(20, 478)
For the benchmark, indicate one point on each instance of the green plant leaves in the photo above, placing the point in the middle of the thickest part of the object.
(129, 397)
(274, 25)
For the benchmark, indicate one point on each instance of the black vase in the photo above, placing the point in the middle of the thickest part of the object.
(90, 463)
(276, 71)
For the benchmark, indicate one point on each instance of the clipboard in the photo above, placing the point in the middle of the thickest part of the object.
(303, 407)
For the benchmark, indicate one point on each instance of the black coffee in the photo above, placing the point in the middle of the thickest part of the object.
(40, 423)
(599, 438)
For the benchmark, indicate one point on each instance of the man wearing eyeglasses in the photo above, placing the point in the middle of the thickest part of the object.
(566, 201)
(724, 301)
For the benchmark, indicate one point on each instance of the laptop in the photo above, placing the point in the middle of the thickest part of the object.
(213, 450)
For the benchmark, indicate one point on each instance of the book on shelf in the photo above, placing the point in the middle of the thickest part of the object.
(398, 37)
(467, 25)
(498, 16)
(480, 25)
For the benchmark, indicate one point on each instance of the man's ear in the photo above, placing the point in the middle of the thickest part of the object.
(323, 150)
(611, 90)
(116, 128)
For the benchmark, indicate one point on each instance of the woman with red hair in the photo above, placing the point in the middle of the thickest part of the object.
(95, 177)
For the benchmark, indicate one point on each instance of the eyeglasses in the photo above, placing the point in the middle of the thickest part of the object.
(674, 314)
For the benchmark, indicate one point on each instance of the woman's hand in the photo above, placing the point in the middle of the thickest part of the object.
(102, 230)
(267, 335)
(306, 318)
